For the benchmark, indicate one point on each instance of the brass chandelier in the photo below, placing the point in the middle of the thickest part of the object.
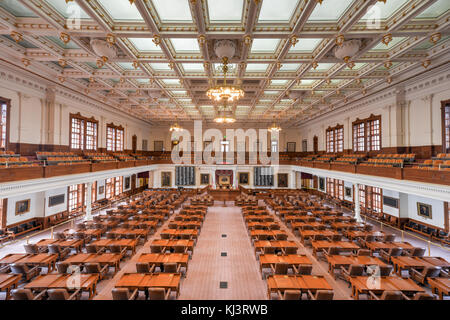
(225, 92)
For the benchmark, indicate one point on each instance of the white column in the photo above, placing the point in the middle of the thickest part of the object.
(357, 205)
(88, 215)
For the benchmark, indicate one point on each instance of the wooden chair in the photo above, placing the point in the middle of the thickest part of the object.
(290, 295)
(124, 294)
(61, 267)
(171, 268)
(393, 252)
(26, 272)
(26, 294)
(363, 252)
(321, 295)
(387, 295)
(421, 277)
(417, 252)
(95, 268)
(158, 294)
(354, 270)
(63, 294)
(56, 249)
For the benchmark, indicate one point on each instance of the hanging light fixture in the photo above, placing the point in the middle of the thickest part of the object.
(274, 127)
(225, 50)
(225, 115)
(175, 127)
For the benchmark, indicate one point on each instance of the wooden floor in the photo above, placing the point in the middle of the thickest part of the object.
(207, 268)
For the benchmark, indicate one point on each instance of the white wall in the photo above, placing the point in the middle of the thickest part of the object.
(36, 208)
(437, 210)
(58, 208)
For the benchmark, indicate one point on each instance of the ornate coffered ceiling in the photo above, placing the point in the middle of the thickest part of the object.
(284, 56)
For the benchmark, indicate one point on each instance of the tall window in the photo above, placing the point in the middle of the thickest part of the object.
(118, 185)
(335, 188)
(94, 192)
(109, 191)
(335, 139)
(75, 197)
(114, 138)
(224, 146)
(83, 132)
(367, 134)
(274, 146)
(4, 119)
(371, 198)
(446, 126)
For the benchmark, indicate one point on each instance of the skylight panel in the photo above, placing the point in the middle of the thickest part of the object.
(160, 66)
(436, 10)
(69, 45)
(323, 67)
(16, 8)
(121, 10)
(382, 47)
(264, 45)
(225, 10)
(382, 10)
(145, 44)
(306, 45)
(126, 65)
(171, 81)
(277, 10)
(277, 82)
(257, 67)
(193, 67)
(329, 10)
(289, 67)
(185, 45)
(173, 10)
(68, 10)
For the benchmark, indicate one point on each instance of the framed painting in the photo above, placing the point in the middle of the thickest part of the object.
(22, 207)
(101, 189)
(204, 178)
(282, 180)
(291, 147)
(127, 183)
(166, 178)
(424, 210)
(56, 200)
(348, 192)
(243, 177)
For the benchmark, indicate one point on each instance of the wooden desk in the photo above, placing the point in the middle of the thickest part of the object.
(324, 244)
(175, 233)
(265, 225)
(338, 261)
(8, 282)
(355, 234)
(438, 262)
(40, 259)
(159, 259)
(191, 217)
(12, 258)
(345, 225)
(441, 286)
(278, 245)
(259, 218)
(281, 283)
(150, 217)
(130, 244)
(266, 260)
(169, 244)
(302, 225)
(377, 246)
(187, 224)
(306, 234)
(85, 282)
(110, 259)
(362, 285)
(144, 281)
(269, 233)
(70, 243)
(123, 232)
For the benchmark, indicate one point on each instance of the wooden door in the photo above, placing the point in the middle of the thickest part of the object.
(134, 143)
(316, 144)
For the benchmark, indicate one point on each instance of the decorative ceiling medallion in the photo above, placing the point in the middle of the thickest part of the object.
(247, 40)
(293, 41)
(26, 62)
(347, 49)
(387, 38)
(156, 40)
(16, 36)
(426, 63)
(435, 37)
(62, 62)
(201, 40)
(340, 40)
(103, 49)
(64, 37)
(388, 64)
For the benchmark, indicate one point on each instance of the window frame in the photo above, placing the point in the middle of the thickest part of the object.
(6, 126)
(445, 111)
(112, 145)
(363, 135)
(334, 139)
(83, 136)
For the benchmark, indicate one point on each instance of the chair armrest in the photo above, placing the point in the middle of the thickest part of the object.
(123, 251)
(152, 268)
(102, 250)
(295, 269)
(414, 272)
(105, 269)
(272, 267)
(4, 269)
(311, 296)
(444, 274)
(405, 296)
(134, 294)
(74, 295)
(373, 296)
(166, 296)
(344, 271)
(39, 296)
(34, 269)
